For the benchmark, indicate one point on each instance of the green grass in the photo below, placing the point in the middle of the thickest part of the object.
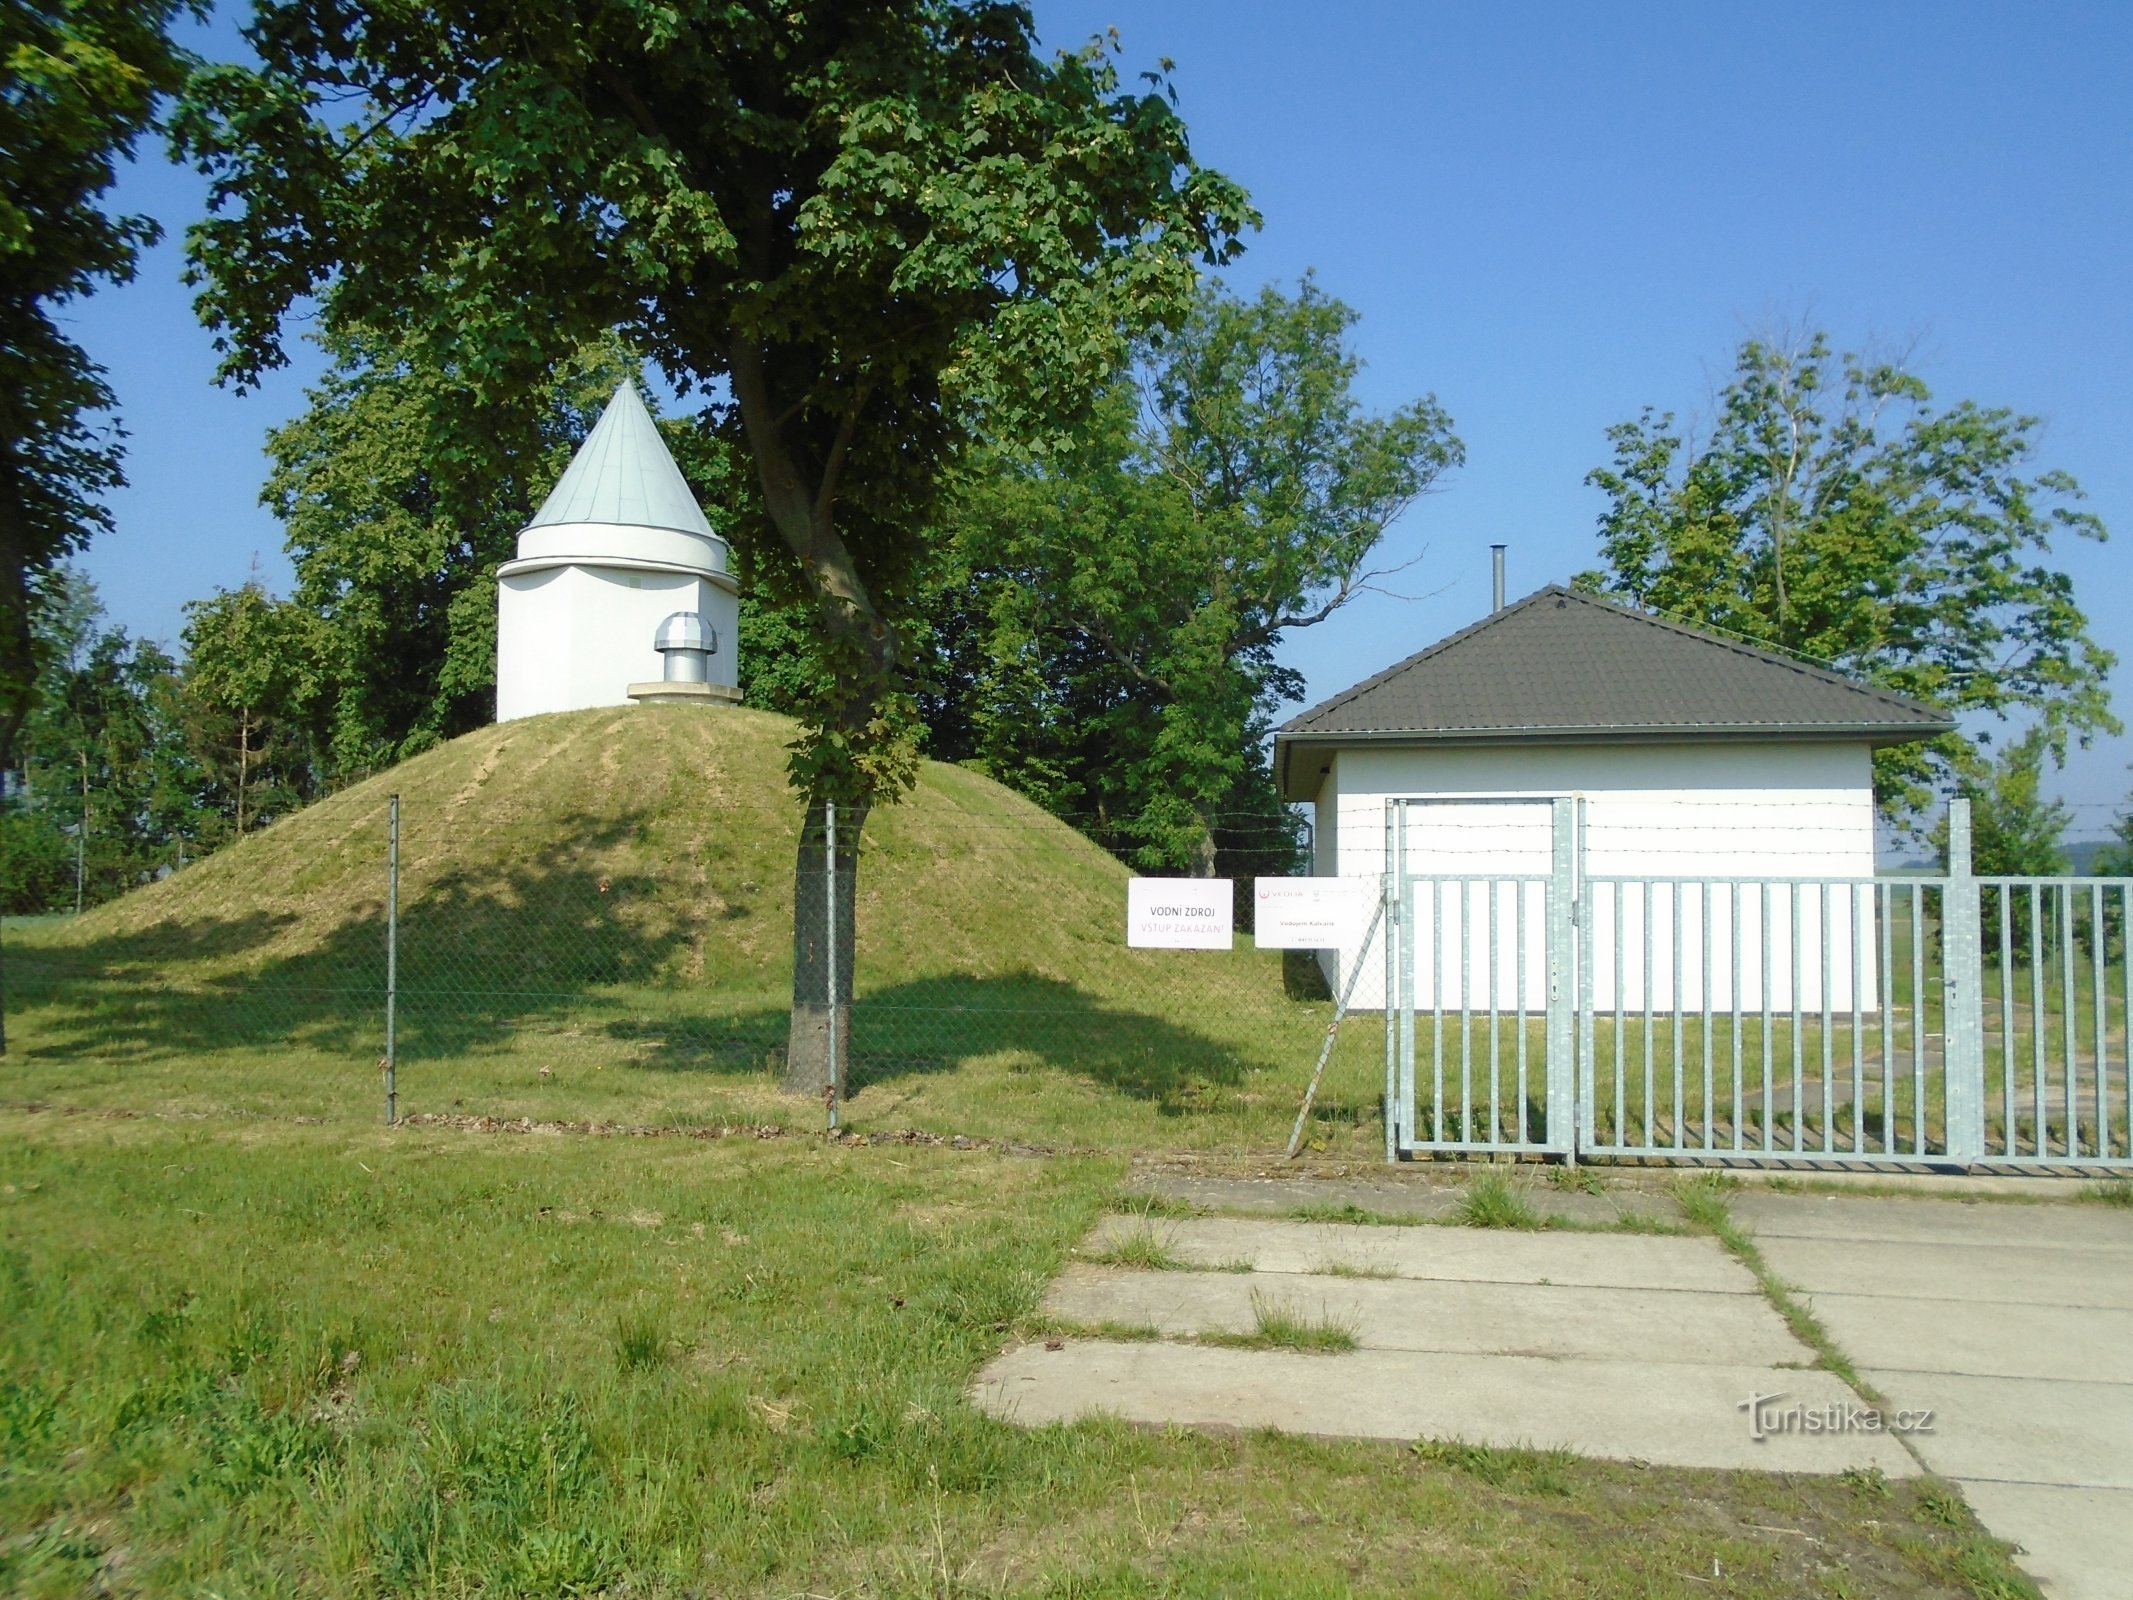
(1139, 1247)
(1540, 1472)
(596, 925)
(1351, 1269)
(1350, 1212)
(250, 1357)
(1279, 1324)
(1491, 1202)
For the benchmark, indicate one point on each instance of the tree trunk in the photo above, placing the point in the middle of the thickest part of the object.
(1203, 854)
(3, 956)
(244, 761)
(808, 1064)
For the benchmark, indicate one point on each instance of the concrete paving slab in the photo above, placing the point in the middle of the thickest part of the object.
(1654, 1325)
(1469, 1254)
(2008, 1341)
(1412, 1200)
(2024, 1430)
(1687, 1416)
(1969, 1223)
(1979, 1275)
(2077, 1543)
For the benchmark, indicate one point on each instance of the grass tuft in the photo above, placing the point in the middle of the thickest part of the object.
(1283, 1327)
(1140, 1247)
(1148, 1205)
(1351, 1269)
(641, 1343)
(1349, 1212)
(2110, 1192)
(1529, 1471)
(1491, 1202)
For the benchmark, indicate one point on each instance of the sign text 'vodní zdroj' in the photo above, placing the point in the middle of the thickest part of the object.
(1179, 913)
(1310, 913)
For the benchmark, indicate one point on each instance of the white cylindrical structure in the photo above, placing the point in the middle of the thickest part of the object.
(618, 548)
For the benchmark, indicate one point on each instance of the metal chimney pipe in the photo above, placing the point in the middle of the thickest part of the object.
(1496, 551)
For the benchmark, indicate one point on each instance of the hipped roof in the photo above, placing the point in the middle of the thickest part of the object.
(623, 476)
(1568, 668)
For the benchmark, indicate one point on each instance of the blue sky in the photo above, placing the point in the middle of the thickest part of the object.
(1549, 216)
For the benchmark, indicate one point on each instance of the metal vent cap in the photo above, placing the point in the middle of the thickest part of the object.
(686, 630)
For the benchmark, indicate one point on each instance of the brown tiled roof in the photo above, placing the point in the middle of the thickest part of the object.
(1564, 667)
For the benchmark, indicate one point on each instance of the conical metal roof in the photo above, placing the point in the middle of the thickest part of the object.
(623, 476)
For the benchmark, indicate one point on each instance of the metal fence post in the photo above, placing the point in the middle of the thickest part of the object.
(1963, 992)
(392, 960)
(1391, 909)
(1562, 1017)
(829, 878)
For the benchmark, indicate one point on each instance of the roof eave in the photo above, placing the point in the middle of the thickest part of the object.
(1874, 735)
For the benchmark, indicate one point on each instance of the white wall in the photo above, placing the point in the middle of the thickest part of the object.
(1713, 810)
(577, 635)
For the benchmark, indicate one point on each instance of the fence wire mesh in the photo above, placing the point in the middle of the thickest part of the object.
(633, 976)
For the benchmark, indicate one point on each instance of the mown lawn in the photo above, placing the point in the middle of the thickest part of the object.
(263, 1358)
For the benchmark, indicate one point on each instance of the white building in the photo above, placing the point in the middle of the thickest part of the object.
(1693, 758)
(618, 547)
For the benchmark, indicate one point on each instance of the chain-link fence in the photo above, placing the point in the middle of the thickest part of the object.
(638, 973)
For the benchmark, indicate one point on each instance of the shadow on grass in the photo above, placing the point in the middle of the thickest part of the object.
(534, 943)
(552, 957)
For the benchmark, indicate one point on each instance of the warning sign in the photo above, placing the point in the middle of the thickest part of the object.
(1179, 913)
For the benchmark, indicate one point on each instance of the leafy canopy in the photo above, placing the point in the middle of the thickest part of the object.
(79, 83)
(1834, 511)
(1130, 593)
(864, 232)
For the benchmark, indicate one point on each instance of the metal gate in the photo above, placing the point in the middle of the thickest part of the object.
(1483, 1034)
(1937, 1019)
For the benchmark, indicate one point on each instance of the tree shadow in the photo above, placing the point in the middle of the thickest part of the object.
(532, 944)
(932, 1025)
(553, 953)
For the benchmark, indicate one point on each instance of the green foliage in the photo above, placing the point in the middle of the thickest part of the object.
(79, 83)
(2115, 860)
(1834, 511)
(402, 490)
(1129, 591)
(2015, 831)
(103, 785)
(251, 677)
(869, 232)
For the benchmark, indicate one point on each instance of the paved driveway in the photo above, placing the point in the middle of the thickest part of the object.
(2014, 1323)
(1608, 1344)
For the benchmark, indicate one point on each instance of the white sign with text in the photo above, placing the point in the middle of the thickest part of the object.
(1310, 913)
(1179, 913)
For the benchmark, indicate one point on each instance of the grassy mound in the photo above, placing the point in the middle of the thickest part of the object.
(595, 919)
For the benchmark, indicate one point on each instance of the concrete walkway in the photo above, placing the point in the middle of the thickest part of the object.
(1608, 1344)
(2015, 1324)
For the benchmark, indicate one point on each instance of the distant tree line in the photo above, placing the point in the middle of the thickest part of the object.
(131, 762)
